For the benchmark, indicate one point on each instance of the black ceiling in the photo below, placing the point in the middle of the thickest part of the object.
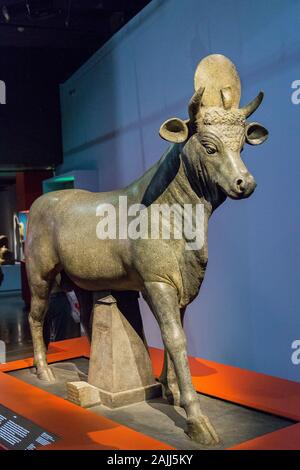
(42, 42)
(63, 23)
(72, 30)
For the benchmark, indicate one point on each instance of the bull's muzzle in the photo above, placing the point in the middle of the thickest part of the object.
(243, 187)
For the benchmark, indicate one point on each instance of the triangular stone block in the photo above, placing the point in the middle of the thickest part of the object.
(120, 365)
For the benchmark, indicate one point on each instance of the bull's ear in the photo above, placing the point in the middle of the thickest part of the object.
(174, 130)
(255, 133)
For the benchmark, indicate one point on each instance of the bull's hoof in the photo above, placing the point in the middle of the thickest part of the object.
(200, 430)
(45, 374)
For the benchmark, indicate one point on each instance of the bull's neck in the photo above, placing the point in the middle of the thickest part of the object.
(180, 191)
(173, 183)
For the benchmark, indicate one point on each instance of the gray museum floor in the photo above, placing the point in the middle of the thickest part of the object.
(156, 418)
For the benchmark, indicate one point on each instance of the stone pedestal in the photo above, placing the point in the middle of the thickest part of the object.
(120, 365)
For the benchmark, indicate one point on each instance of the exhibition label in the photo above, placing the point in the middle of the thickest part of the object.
(19, 433)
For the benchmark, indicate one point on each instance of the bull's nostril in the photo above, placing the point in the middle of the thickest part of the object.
(240, 184)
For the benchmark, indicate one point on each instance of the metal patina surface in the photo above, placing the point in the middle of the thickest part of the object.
(203, 166)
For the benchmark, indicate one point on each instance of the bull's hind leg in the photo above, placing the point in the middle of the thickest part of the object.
(39, 303)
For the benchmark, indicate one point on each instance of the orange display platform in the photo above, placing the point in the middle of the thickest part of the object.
(81, 429)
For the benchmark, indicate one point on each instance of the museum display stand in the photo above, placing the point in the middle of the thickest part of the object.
(73, 427)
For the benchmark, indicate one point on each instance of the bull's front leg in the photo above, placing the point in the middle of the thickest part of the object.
(168, 375)
(162, 299)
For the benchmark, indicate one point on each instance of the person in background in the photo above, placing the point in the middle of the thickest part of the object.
(6, 256)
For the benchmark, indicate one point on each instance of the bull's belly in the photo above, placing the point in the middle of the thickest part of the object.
(105, 284)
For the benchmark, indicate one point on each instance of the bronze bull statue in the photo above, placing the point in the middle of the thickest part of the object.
(203, 166)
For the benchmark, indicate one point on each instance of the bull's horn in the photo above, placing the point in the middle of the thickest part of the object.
(253, 105)
(176, 130)
(194, 104)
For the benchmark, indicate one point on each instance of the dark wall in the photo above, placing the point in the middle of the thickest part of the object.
(30, 131)
(7, 210)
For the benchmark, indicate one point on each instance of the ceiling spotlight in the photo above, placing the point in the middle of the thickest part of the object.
(13, 10)
(5, 13)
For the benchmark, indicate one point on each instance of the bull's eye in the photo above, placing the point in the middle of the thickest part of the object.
(210, 148)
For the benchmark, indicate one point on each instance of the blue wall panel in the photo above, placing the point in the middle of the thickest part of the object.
(12, 278)
(247, 313)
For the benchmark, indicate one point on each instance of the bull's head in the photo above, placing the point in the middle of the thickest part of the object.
(214, 137)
